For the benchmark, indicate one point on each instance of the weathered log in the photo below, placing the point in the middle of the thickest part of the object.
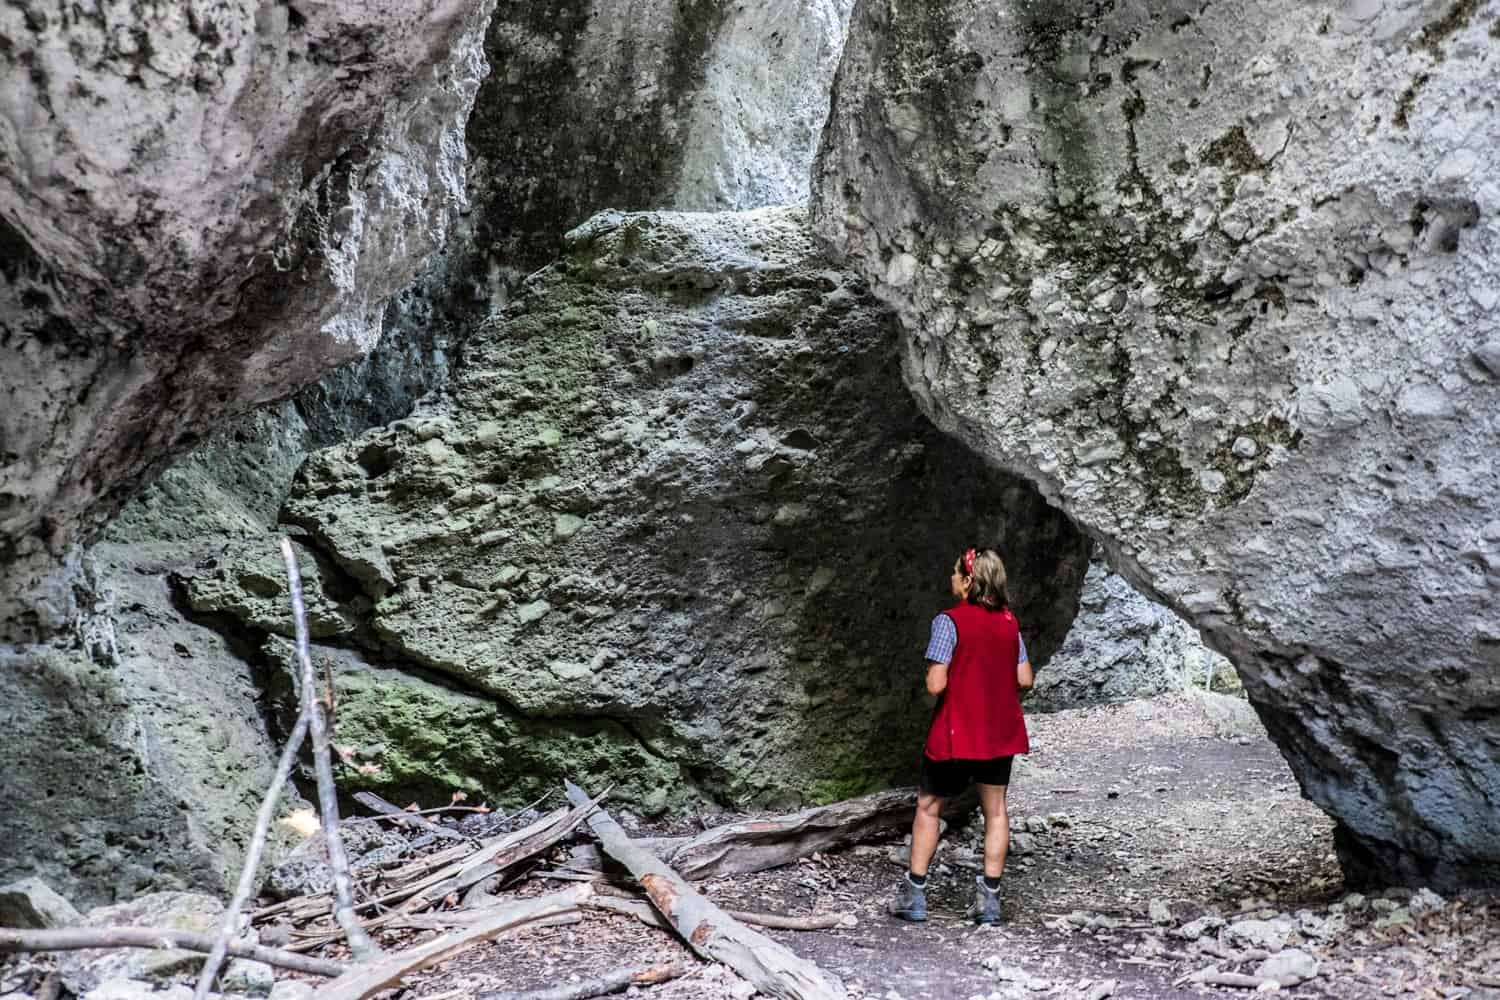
(756, 845)
(401, 817)
(598, 986)
(708, 930)
(82, 938)
(372, 977)
(589, 858)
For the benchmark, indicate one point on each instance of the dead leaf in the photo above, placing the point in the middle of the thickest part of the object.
(346, 754)
(459, 797)
(368, 769)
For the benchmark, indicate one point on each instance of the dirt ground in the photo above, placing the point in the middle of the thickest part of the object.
(1177, 809)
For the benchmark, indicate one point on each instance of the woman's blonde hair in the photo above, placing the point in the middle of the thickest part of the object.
(985, 572)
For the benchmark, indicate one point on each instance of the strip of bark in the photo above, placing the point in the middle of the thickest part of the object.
(610, 982)
(708, 930)
(389, 971)
(328, 797)
(81, 938)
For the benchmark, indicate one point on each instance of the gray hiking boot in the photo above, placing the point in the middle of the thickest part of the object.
(986, 908)
(910, 902)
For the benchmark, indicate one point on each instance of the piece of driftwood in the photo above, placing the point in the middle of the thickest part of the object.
(598, 986)
(401, 817)
(756, 845)
(360, 943)
(80, 938)
(523, 849)
(708, 930)
(388, 971)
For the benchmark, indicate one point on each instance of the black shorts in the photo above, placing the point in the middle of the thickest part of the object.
(949, 778)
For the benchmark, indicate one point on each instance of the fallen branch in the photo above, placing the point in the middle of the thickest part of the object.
(401, 817)
(811, 922)
(1213, 977)
(643, 912)
(756, 845)
(390, 970)
(328, 797)
(246, 886)
(80, 938)
(610, 982)
(708, 930)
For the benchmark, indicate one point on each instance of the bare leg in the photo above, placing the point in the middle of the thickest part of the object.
(996, 830)
(925, 827)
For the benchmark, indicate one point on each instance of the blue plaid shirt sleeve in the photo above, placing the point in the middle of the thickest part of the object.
(945, 637)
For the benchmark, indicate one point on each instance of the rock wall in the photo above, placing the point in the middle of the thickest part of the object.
(202, 208)
(698, 105)
(1222, 282)
(675, 527)
(1123, 645)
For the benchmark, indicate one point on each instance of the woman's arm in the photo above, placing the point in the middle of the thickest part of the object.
(1024, 677)
(937, 678)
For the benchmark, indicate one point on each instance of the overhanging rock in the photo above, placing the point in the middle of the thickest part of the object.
(1221, 280)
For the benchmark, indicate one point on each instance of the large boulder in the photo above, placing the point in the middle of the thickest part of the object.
(202, 208)
(675, 525)
(1222, 281)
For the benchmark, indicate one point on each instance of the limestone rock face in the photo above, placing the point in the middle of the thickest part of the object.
(1123, 645)
(1222, 281)
(697, 105)
(203, 207)
(676, 526)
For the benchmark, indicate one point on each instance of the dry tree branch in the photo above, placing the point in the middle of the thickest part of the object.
(328, 801)
(252, 859)
(79, 938)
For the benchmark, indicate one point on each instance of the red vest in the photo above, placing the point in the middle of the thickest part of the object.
(979, 716)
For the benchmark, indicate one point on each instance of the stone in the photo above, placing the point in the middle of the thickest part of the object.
(1267, 935)
(241, 975)
(1291, 967)
(1488, 356)
(1303, 287)
(82, 971)
(32, 903)
(1198, 927)
(1424, 901)
(166, 270)
(1158, 912)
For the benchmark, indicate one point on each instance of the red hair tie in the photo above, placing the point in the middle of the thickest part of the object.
(969, 562)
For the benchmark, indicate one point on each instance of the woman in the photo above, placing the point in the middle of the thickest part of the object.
(977, 667)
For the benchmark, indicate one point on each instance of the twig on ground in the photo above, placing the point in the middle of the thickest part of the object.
(78, 938)
(246, 886)
(388, 971)
(1214, 977)
(811, 922)
(610, 982)
(394, 813)
(708, 930)
(328, 801)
